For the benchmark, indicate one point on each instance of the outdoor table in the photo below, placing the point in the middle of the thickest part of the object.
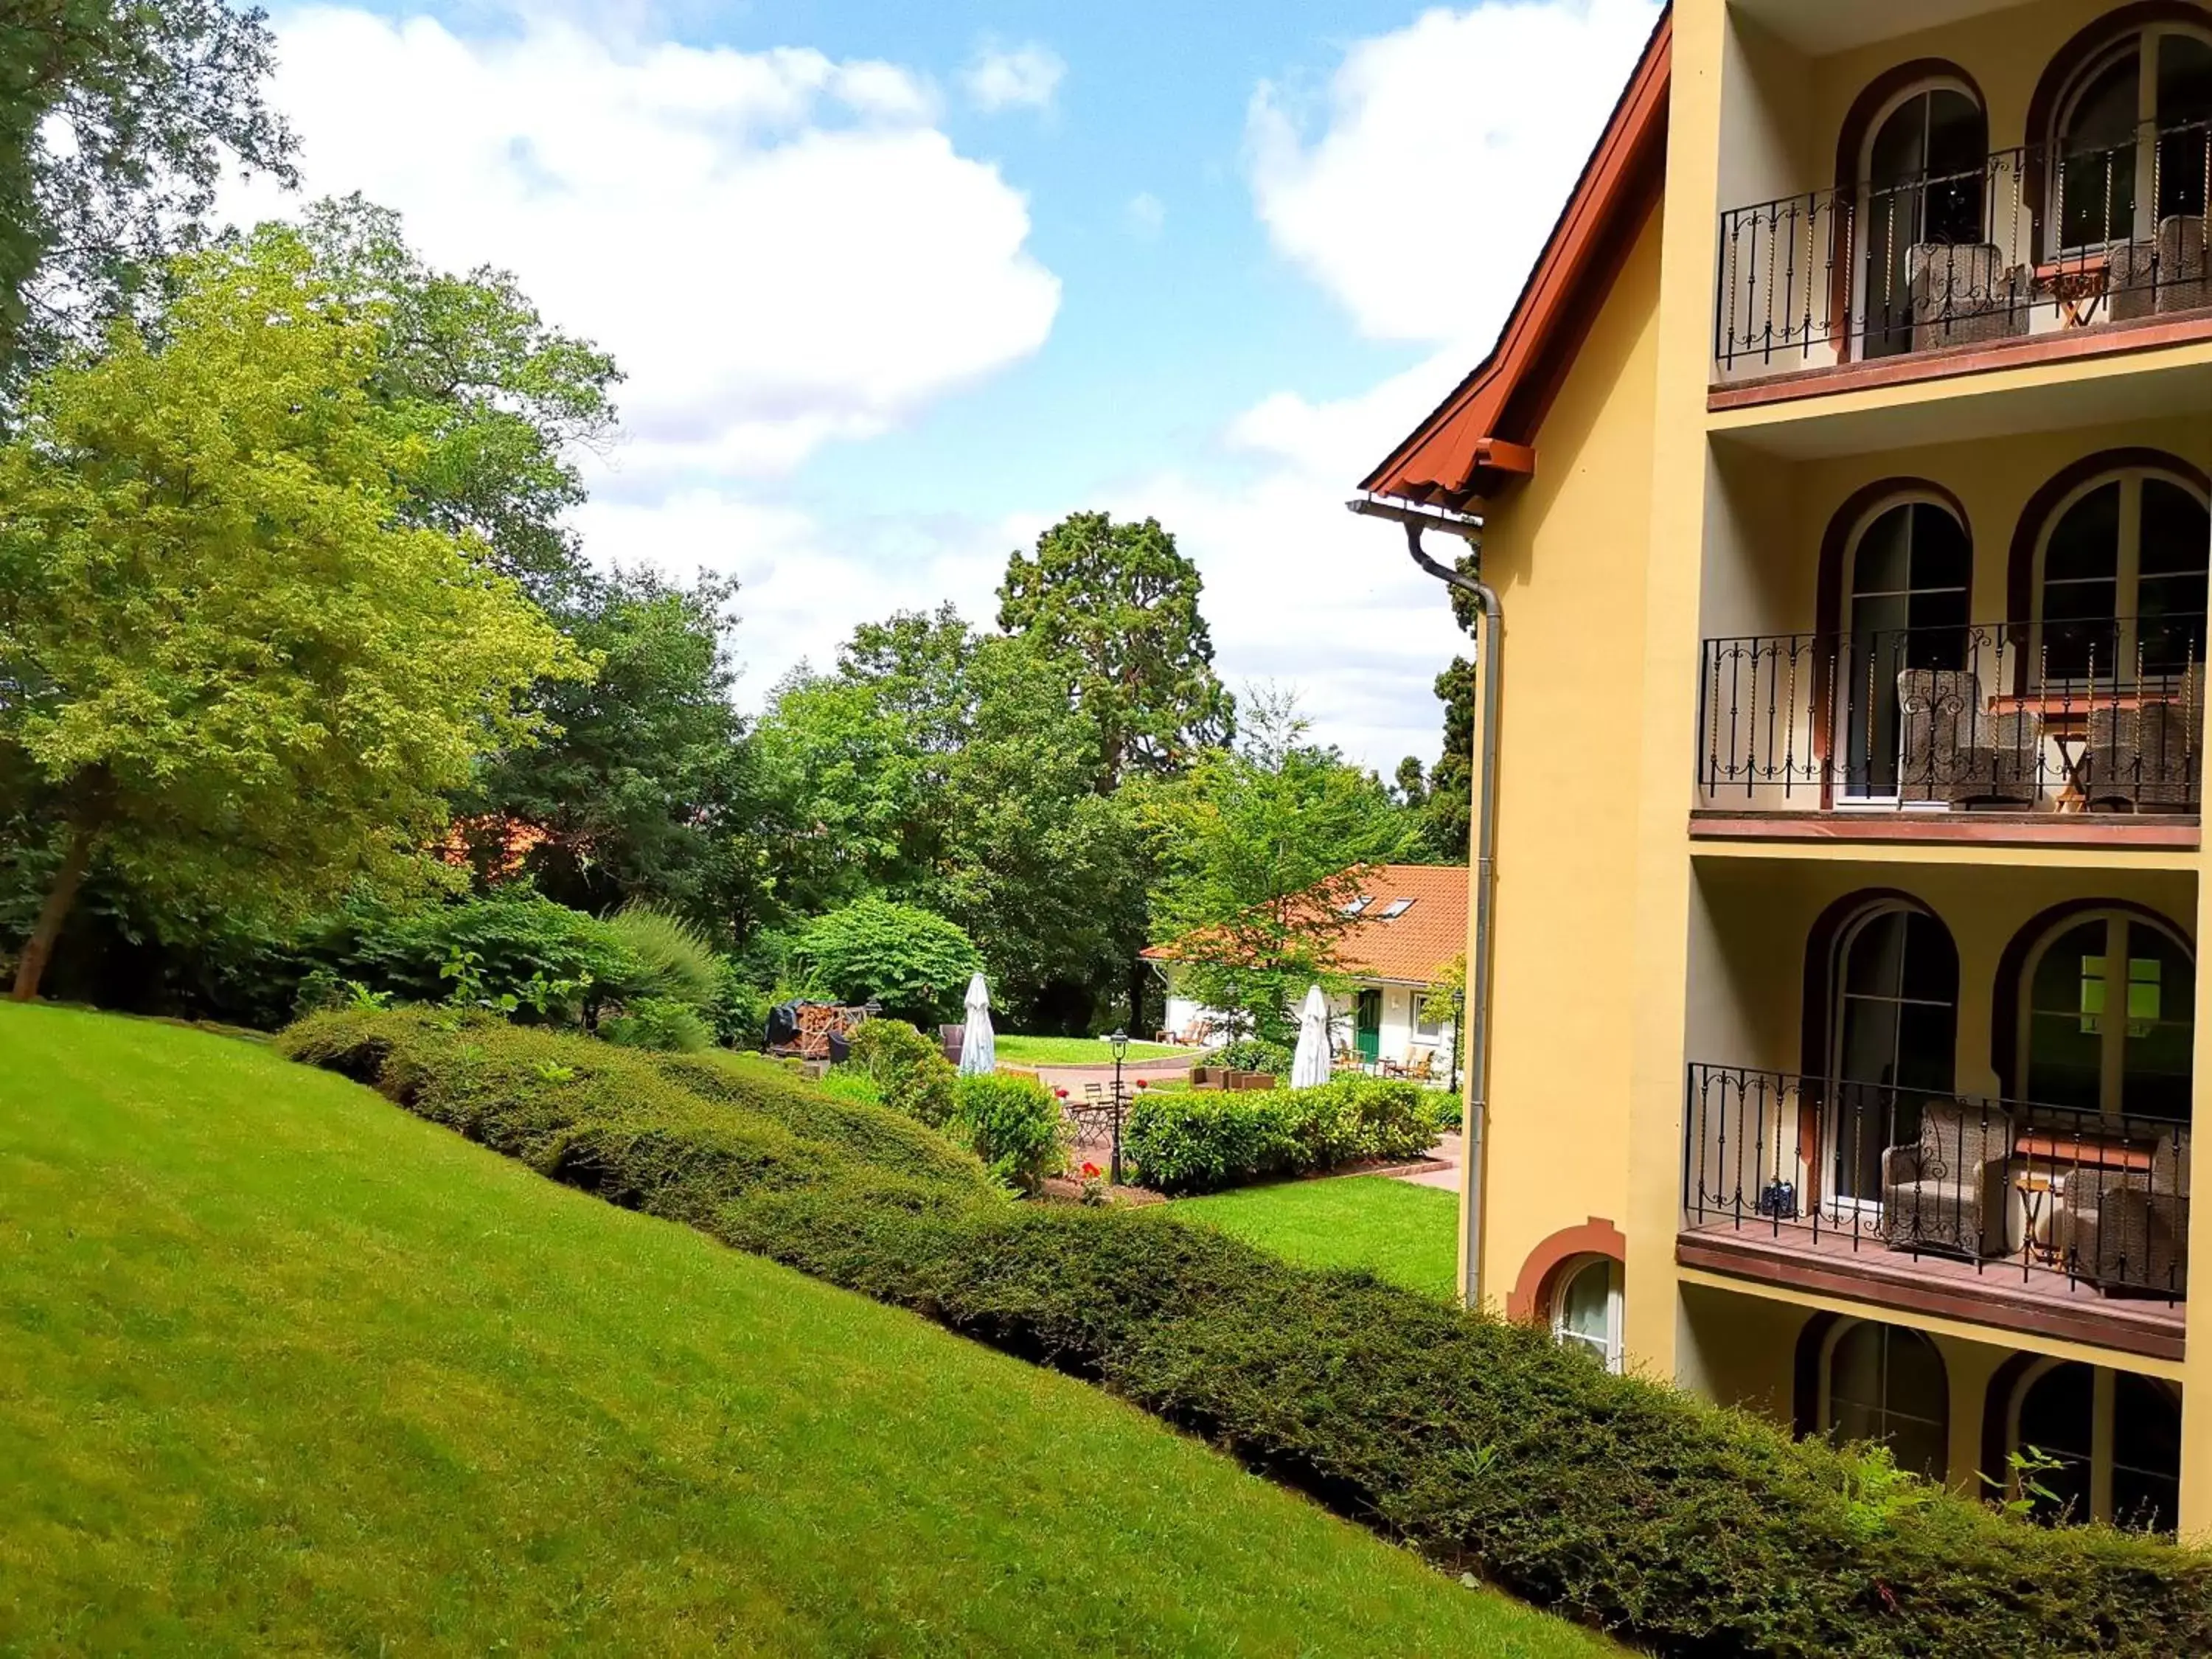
(2079, 284)
(2064, 717)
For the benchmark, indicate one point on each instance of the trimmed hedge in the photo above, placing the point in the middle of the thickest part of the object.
(1013, 1126)
(676, 1135)
(1199, 1140)
(1699, 1532)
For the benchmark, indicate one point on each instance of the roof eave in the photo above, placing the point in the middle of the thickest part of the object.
(1481, 438)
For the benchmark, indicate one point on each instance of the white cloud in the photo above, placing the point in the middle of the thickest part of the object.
(779, 248)
(1300, 591)
(804, 585)
(1020, 77)
(1444, 153)
(1147, 214)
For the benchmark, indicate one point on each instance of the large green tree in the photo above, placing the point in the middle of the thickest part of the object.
(643, 789)
(1047, 875)
(235, 673)
(500, 401)
(1262, 846)
(952, 770)
(1120, 605)
(117, 118)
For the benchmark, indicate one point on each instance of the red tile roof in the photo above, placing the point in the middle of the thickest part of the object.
(1411, 946)
(1484, 435)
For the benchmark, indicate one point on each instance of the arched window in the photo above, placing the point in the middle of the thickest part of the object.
(2088, 1444)
(1895, 984)
(1586, 1309)
(2130, 141)
(1908, 570)
(1886, 1384)
(2109, 1021)
(1920, 183)
(2119, 579)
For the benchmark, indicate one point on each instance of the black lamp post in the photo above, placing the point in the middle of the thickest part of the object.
(1120, 1043)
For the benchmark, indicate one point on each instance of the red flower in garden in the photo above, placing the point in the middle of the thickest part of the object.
(1060, 1094)
(1091, 1171)
(1144, 1082)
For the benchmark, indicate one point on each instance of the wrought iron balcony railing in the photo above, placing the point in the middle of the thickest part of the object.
(2039, 238)
(2003, 1185)
(2019, 716)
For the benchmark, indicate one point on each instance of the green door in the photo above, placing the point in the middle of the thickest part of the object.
(1367, 1028)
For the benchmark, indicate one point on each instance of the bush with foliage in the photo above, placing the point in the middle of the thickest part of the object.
(556, 963)
(663, 1022)
(912, 962)
(1013, 1125)
(675, 959)
(677, 1135)
(1199, 1140)
(740, 1010)
(909, 1069)
(1694, 1531)
(1254, 1055)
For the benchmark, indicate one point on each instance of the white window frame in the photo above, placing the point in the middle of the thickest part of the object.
(1847, 604)
(1832, 1084)
(1862, 191)
(2112, 1055)
(2127, 603)
(1614, 1354)
(2143, 42)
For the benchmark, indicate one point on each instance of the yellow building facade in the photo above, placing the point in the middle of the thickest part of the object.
(1842, 476)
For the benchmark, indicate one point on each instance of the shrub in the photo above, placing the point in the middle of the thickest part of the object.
(675, 958)
(553, 961)
(1199, 1140)
(665, 1023)
(858, 1124)
(1254, 1054)
(1697, 1532)
(913, 962)
(1013, 1126)
(909, 1068)
(740, 1012)
(678, 1136)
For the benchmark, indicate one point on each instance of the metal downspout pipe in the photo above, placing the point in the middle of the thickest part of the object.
(1489, 660)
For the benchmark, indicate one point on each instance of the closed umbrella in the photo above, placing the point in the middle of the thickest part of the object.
(1309, 1065)
(976, 1056)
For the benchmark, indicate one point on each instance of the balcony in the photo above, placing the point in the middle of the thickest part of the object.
(1918, 272)
(2039, 1219)
(1961, 729)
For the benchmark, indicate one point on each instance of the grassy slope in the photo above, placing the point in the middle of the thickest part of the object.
(284, 1368)
(1408, 1235)
(1075, 1051)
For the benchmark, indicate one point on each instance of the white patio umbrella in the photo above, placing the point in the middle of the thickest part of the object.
(977, 1049)
(1309, 1065)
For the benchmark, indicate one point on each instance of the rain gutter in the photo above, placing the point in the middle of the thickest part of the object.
(1488, 662)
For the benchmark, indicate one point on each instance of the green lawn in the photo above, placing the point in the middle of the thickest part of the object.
(1406, 1234)
(284, 1369)
(1076, 1051)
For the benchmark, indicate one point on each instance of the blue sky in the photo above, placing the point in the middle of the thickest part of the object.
(898, 285)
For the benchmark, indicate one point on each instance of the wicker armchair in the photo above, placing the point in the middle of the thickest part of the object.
(2128, 1229)
(1950, 750)
(2148, 279)
(2149, 756)
(1946, 1191)
(1964, 295)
